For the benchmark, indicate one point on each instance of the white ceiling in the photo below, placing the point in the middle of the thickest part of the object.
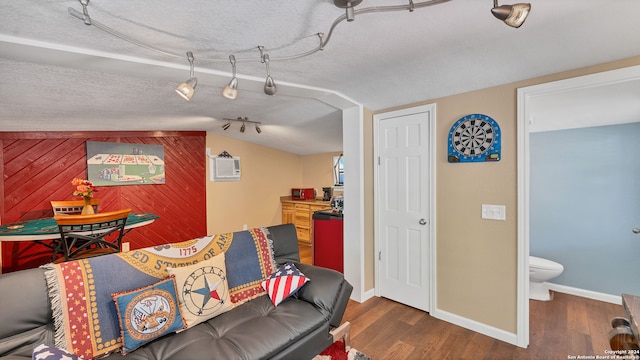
(58, 74)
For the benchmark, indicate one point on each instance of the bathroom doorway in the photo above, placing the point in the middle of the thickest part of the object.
(585, 202)
(589, 101)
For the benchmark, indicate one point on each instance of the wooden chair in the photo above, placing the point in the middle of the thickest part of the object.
(85, 236)
(72, 207)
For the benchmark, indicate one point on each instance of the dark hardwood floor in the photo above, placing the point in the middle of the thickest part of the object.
(567, 325)
(558, 329)
(306, 255)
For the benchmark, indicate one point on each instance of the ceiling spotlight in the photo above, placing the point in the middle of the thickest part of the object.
(512, 15)
(269, 85)
(258, 129)
(226, 126)
(187, 88)
(231, 91)
(242, 127)
(348, 6)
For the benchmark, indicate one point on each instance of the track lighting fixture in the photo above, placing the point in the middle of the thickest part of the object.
(231, 91)
(269, 85)
(512, 15)
(348, 6)
(187, 88)
(244, 121)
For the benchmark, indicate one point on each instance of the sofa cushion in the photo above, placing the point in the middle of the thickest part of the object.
(148, 313)
(253, 330)
(203, 291)
(284, 283)
(27, 320)
(285, 243)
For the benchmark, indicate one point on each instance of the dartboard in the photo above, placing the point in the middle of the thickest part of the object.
(474, 138)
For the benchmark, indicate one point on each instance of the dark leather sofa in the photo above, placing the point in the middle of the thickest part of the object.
(299, 328)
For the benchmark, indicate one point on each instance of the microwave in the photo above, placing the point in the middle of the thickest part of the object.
(303, 193)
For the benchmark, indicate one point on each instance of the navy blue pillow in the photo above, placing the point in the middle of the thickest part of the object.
(147, 313)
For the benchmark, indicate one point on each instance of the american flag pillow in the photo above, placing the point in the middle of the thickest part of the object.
(284, 283)
(46, 352)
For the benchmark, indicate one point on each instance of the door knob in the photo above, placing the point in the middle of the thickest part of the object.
(636, 231)
(422, 222)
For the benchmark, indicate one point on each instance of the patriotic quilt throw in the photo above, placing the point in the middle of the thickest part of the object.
(85, 316)
(284, 283)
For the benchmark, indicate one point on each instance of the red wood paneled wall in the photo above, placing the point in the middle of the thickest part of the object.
(38, 167)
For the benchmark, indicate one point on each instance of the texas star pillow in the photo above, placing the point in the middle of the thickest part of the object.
(284, 283)
(148, 313)
(203, 290)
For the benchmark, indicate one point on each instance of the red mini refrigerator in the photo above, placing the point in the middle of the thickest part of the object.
(328, 240)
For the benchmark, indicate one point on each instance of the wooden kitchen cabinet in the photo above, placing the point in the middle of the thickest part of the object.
(300, 213)
(288, 212)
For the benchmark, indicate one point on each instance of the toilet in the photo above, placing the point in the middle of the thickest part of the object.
(540, 271)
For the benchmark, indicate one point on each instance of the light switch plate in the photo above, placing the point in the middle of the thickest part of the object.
(494, 212)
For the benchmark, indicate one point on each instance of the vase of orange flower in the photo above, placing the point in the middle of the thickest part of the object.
(85, 189)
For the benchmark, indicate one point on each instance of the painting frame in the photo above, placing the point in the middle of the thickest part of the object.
(120, 164)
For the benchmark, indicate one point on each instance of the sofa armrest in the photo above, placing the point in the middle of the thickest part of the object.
(327, 290)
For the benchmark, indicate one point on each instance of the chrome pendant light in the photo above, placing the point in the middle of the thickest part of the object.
(231, 91)
(512, 15)
(188, 88)
(269, 85)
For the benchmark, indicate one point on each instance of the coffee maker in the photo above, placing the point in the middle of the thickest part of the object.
(328, 193)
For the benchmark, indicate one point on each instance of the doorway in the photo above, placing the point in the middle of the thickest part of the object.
(404, 188)
(577, 102)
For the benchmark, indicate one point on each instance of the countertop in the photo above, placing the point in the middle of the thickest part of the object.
(309, 202)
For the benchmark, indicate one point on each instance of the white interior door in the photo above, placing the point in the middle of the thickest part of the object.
(403, 206)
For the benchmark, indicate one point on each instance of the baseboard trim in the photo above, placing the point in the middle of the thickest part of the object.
(478, 327)
(368, 294)
(586, 293)
(363, 296)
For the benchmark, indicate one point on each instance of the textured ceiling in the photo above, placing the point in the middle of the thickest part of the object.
(56, 73)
